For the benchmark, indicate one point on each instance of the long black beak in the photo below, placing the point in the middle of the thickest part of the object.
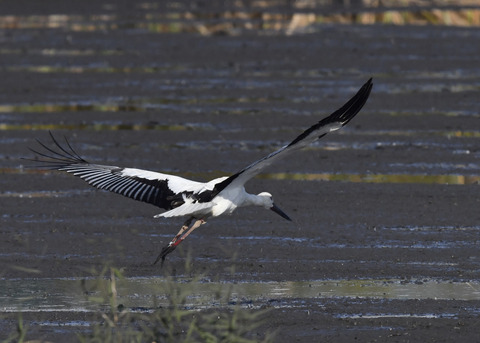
(278, 211)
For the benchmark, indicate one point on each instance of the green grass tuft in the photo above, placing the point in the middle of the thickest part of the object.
(222, 320)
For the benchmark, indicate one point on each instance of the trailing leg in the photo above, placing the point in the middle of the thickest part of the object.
(179, 238)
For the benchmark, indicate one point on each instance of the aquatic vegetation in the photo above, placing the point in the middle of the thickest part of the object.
(224, 321)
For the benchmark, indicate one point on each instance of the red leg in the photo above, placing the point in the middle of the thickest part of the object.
(182, 230)
(179, 238)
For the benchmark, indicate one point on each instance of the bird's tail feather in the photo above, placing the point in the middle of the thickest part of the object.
(187, 209)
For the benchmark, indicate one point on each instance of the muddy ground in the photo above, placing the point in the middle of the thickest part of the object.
(393, 197)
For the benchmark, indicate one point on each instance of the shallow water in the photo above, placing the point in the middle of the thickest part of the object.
(52, 295)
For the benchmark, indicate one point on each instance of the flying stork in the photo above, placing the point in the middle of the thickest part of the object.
(180, 197)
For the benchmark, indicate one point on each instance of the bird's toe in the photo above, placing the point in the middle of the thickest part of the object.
(165, 251)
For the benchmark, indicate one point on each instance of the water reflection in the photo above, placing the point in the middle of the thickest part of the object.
(83, 69)
(99, 127)
(133, 105)
(43, 194)
(377, 178)
(61, 52)
(445, 179)
(66, 294)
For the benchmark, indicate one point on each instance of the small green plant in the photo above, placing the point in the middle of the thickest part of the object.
(19, 334)
(175, 322)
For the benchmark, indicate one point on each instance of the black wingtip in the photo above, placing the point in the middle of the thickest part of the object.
(344, 114)
(354, 105)
(54, 158)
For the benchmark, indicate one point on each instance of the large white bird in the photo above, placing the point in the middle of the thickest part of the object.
(194, 200)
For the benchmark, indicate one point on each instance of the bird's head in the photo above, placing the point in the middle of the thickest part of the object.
(267, 201)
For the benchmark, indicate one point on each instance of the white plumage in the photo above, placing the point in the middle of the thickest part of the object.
(183, 197)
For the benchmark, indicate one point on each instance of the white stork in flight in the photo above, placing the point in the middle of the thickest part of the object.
(180, 197)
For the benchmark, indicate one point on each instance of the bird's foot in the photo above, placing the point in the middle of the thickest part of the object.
(179, 238)
(165, 251)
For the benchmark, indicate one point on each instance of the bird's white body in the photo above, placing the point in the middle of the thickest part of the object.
(196, 200)
(229, 199)
(224, 203)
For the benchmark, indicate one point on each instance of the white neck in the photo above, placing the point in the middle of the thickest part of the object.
(257, 200)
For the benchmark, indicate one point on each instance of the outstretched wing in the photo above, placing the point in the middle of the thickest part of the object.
(162, 190)
(333, 122)
(169, 191)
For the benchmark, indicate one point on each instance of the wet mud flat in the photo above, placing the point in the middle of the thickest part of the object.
(384, 242)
